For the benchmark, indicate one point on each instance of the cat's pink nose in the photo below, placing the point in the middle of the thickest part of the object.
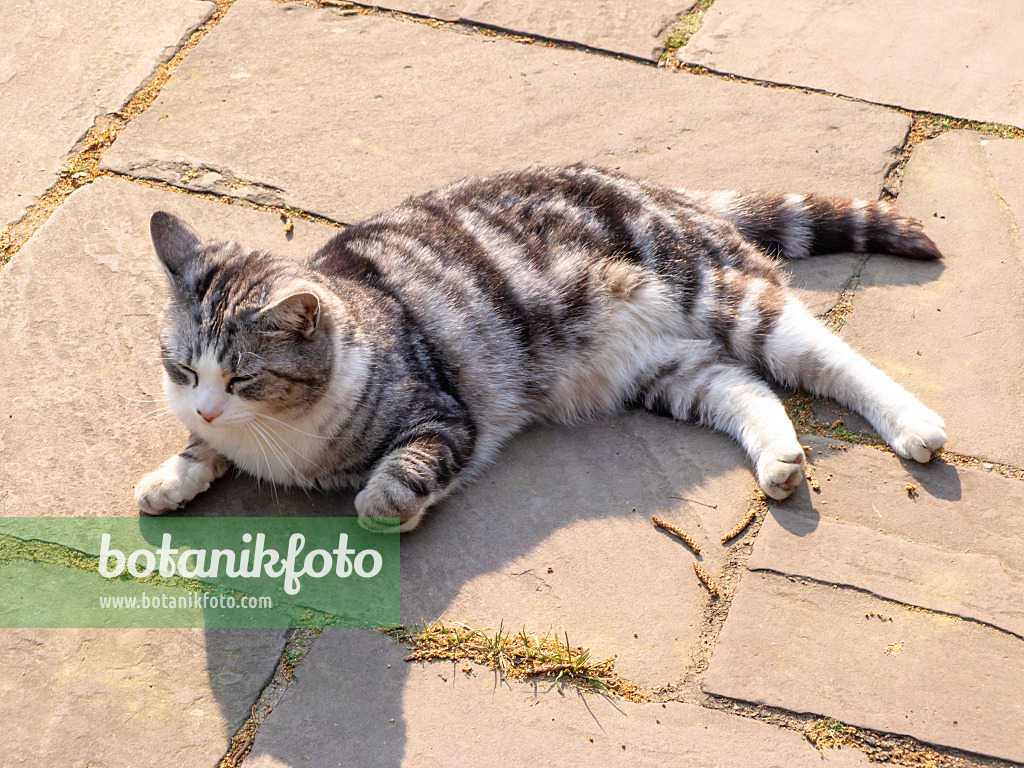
(210, 413)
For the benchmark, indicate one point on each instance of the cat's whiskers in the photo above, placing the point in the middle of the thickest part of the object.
(281, 443)
(248, 436)
(277, 450)
(152, 416)
(253, 355)
(152, 399)
(289, 426)
(259, 444)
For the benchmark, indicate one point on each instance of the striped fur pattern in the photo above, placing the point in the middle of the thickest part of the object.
(401, 356)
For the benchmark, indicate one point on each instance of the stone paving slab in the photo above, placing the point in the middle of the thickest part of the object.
(355, 702)
(64, 63)
(964, 59)
(81, 375)
(811, 648)
(950, 332)
(954, 546)
(145, 698)
(418, 107)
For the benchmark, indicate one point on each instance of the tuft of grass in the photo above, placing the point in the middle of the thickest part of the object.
(930, 125)
(799, 408)
(828, 733)
(685, 28)
(517, 656)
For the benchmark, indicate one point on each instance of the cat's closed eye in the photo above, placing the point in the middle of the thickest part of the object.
(191, 376)
(235, 381)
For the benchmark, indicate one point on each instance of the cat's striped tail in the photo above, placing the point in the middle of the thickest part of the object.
(797, 226)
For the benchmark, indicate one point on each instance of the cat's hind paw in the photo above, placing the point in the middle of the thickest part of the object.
(779, 472)
(919, 435)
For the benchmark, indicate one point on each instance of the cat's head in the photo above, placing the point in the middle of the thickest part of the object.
(244, 333)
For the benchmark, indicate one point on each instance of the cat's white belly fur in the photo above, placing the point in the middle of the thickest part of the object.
(641, 321)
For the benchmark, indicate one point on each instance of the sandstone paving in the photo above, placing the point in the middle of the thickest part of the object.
(356, 702)
(952, 544)
(951, 332)
(964, 59)
(81, 384)
(359, 112)
(139, 697)
(809, 647)
(65, 63)
(355, 114)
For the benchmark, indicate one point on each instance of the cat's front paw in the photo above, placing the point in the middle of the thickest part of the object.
(387, 509)
(920, 434)
(780, 471)
(171, 486)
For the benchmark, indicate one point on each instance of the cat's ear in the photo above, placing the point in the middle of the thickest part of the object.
(295, 312)
(175, 243)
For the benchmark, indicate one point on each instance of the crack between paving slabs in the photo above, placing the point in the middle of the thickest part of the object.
(879, 746)
(175, 176)
(183, 173)
(465, 26)
(716, 611)
(677, 33)
(801, 579)
(284, 210)
(891, 185)
(299, 644)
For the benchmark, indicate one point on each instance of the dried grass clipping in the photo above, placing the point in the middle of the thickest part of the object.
(705, 577)
(740, 526)
(674, 529)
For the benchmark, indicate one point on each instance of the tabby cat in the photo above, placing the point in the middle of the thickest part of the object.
(402, 355)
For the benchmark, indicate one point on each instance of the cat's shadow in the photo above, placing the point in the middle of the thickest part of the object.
(577, 500)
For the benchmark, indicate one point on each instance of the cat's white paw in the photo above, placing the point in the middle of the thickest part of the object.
(780, 471)
(177, 482)
(920, 433)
